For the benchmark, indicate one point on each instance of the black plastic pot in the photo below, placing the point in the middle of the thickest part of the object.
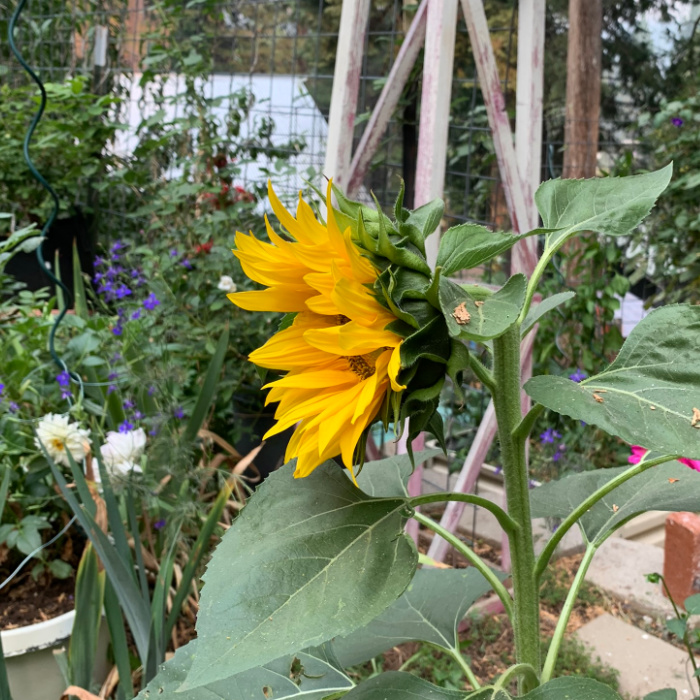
(24, 267)
(254, 419)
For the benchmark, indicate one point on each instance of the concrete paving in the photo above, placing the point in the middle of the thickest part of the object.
(619, 568)
(644, 662)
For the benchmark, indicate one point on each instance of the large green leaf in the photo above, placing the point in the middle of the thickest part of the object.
(306, 560)
(650, 394)
(610, 205)
(485, 319)
(396, 685)
(469, 245)
(537, 311)
(312, 675)
(557, 689)
(430, 610)
(389, 477)
(670, 487)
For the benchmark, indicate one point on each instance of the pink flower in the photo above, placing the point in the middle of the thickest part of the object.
(639, 452)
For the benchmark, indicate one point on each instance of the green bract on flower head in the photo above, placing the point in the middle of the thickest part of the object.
(435, 316)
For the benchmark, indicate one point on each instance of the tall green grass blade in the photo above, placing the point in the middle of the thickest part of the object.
(195, 556)
(120, 646)
(82, 486)
(60, 299)
(114, 519)
(160, 596)
(206, 395)
(79, 297)
(89, 597)
(135, 608)
(136, 535)
(4, 488)
(4, 683)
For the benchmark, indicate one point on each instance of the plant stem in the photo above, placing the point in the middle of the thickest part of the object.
(565, 614)
(581, 509)
(471, 678)
(504, 520)
(514, 672)
(483, 374)
(526, 630)
(682, 618)
(474, 559)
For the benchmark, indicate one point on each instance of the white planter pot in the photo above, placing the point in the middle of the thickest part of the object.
(29, 656)
(32, 671)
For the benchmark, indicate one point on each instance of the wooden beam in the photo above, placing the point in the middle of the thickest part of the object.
(499, 123)
(438, 66)
(346, 85)
(388, 100)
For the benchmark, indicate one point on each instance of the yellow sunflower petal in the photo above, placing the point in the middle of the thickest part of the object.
(286, 299)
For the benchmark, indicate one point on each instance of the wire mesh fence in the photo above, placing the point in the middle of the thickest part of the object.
(255, 78)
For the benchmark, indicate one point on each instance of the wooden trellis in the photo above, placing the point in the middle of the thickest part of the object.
(519, 158)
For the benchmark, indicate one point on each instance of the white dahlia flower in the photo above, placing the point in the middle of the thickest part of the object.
(122, 452)
(226, 284)
(59, 437)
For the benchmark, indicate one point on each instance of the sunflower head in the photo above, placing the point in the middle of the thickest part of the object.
(363, 338)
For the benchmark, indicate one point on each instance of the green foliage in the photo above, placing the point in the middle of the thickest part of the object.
(648, 394)
(430, 610)
(394, 685)
(67, 148)
(655, 489)
(337, 563)
(668, 247)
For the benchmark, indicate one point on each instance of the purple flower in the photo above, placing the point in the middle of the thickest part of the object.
(677, 121)
(117, 330)
(125, 427)
(137, 415)
(150, 302)
(2, 388)
(173, 253)
(99, 261)
(111, 388)
(115, 358)
(128, 405)
(186, 263)
(498, 470)
(151, 390)
(13, 407)
(548, 436)
(122, 291)
(153, 431)
(578, 376)
(63, 378)
(136, 315)
(112, 375)
(178, 412)
(116, 246)
(159, 524)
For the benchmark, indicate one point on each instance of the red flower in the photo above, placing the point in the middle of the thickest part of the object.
(203, 248)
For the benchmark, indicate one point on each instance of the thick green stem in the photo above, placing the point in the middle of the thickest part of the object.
(565, 614)
(504, 520)
(588, 503)
(473, 558)
(526, 629)
(514, 672)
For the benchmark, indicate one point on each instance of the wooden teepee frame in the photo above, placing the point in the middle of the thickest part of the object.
(519, 159)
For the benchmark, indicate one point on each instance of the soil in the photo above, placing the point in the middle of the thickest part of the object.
(25, 601)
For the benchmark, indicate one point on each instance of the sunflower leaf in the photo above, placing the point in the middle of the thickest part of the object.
(650, 394)
(429, 342)
(470, 245)
(430, 610)
(613, 206)
(482, 320)
(458, 362)
(670, 487)
(389, 477)
(312, 674)
(339, 559)
(536, 312)
(557, 689)
(396, 685)
(422, 222)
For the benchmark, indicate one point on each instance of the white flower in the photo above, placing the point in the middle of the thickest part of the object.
(59, 437)
(226, 284)
(122, 452)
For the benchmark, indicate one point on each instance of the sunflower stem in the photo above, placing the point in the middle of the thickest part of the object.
(506, 370)
(484, 375)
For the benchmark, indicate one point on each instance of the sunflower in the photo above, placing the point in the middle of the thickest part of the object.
(340, 360)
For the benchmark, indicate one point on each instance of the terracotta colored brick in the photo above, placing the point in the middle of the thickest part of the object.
(682, 555)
